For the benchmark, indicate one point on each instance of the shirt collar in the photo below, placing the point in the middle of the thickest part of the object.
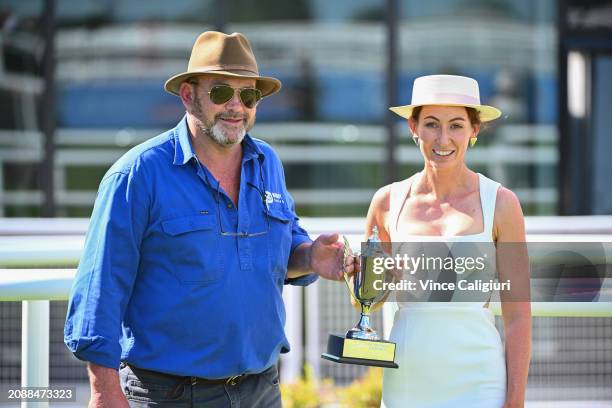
(183, 151)
(250, 149)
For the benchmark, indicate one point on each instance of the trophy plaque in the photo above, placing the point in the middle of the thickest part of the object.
(361, 345)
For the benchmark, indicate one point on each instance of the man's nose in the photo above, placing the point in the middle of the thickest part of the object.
(235, 102)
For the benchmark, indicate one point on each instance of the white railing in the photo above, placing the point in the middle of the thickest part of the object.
(295, 142)
(53, 242)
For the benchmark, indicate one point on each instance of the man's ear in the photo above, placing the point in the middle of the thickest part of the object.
(186, 92)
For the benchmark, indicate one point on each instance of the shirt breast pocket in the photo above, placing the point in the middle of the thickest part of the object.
(195, 248)
(279, 244)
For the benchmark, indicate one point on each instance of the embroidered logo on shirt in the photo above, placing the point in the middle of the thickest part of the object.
(273, 198)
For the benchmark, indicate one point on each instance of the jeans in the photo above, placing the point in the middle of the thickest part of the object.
(145, 388)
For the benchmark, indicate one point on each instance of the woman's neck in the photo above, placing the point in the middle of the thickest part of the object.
(443, 184)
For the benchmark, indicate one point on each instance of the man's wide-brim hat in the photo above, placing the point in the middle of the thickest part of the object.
(220, 54)
(447, 90)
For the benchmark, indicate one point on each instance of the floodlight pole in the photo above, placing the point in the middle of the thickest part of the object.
(392, 172)
(48, 109)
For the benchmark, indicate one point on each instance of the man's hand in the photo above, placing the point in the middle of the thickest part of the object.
(327, 257)
(324, 257)
(105, 388)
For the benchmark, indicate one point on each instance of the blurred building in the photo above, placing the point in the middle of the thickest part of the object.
(546, 63)
(330, 123)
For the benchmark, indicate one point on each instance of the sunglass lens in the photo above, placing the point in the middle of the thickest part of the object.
(250, 97)
(221, 93)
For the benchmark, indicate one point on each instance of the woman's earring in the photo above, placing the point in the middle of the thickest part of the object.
(473, 141)
(415, 139)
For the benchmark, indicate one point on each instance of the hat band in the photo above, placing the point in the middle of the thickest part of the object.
(442, 98)
(207, 68)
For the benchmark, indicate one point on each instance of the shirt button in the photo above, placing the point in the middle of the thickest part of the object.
(230, 206)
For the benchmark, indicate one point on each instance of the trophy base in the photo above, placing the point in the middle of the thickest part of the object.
(378, 353)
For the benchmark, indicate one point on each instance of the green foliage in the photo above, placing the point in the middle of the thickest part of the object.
(365, 392)
(308, 392)
(303, 393)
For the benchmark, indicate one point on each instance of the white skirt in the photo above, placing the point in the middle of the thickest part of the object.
(448, 356)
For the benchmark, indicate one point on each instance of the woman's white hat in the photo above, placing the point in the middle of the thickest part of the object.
(447, 90)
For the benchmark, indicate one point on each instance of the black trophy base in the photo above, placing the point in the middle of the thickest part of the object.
(377, 353)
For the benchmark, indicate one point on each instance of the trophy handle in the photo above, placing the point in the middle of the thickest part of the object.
(347, 280)
(347, 253)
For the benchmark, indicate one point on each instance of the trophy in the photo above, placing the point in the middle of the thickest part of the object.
(361, 344)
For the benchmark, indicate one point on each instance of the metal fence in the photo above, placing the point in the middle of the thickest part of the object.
(572, 356)
(92, 151)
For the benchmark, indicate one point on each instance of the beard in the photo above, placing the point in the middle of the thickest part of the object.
(214, 129)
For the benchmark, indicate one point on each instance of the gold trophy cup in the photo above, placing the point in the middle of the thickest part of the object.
(361, 344)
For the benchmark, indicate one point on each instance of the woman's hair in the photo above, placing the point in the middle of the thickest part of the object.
(472, 113)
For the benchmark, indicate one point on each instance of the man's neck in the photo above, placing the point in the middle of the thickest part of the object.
(219, 158)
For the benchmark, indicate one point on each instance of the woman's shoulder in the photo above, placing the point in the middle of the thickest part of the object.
(509, 219)
(383, 196)
(504, 197)
(507, 201)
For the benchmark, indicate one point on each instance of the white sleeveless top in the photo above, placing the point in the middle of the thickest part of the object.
(488, 196)
(449, 354)
(473, 245)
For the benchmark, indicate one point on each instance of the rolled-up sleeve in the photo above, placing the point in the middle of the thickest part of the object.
(107, 270)
(299, 236)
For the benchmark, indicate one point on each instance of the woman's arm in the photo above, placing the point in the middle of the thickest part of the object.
(377, 217)
(513, 265)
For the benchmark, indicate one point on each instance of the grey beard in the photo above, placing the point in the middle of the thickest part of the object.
(219, 136)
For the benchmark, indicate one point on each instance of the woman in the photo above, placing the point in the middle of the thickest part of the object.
(450, 354)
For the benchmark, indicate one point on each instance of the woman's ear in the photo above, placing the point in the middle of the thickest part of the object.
(412, 124)
(476, 129)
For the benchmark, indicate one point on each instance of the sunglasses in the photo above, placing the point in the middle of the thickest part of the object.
(220, 94)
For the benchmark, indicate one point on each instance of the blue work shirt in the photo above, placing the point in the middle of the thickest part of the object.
(158, 285)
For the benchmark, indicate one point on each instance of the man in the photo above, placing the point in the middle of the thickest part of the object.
(177, 300)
